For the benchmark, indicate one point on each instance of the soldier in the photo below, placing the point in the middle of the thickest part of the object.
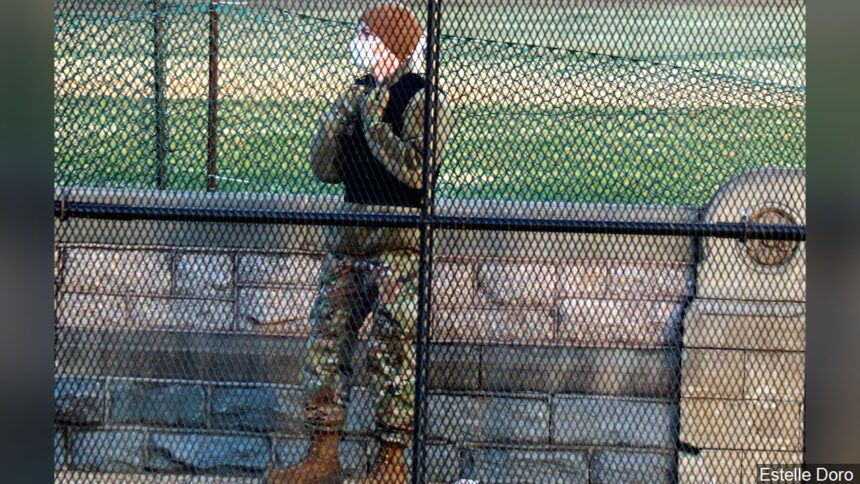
(371, 141)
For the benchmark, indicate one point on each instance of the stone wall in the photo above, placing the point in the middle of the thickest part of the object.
(742, 385)
(179, 345)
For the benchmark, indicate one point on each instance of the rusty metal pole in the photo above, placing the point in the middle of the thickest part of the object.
(159, 85)
(212, 138)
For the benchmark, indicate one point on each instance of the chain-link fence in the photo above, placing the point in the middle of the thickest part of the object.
(492, 240)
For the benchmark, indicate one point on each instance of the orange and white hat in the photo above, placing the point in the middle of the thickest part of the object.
(392, 29)
(395, 25)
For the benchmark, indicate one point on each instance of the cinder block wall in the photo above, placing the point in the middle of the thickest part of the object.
(553, 355)
(742, 377)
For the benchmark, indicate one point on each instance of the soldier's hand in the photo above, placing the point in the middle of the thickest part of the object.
(346, 107)
(373, 105)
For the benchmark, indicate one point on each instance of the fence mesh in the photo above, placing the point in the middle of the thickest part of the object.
(563, 243)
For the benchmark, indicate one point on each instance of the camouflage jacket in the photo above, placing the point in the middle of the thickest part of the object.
(400, 155)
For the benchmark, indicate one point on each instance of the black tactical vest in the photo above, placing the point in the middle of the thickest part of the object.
(366, 180)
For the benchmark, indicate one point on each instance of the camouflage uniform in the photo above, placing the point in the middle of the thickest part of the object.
(351, 287)
(368, 270)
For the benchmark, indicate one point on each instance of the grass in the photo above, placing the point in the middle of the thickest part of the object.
(562, 126)
(625, 156)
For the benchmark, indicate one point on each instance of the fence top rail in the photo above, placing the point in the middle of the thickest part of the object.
(502, 209)
(743, 231)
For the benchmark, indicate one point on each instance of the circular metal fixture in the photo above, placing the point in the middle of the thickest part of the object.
(771, 252)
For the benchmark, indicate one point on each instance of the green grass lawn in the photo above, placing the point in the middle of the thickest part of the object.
(641, 156)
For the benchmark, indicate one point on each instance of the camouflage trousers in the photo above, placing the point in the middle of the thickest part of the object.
(350, 288)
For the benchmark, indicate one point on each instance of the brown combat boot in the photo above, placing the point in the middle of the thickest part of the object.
(390, 466)
(320, 464)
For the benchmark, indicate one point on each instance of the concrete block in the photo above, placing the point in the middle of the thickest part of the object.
(443, 463)
(517, 283)
(488, 419)
(732, 324)
(650, 280)
(279, 270)
(738, 424)
(516, 419)
(714, 423)
(624, 372)
(628, 247)
(79, 401)
(774, 376)
(609, 371)
(453, 367)
(498, 325)
(727, 261)
(180, 313)
(712, 373)
(283, 360)
(204, 275)
(609, 466)
(456, 418)
(517, 326)
(92, 310)
(774, 425)
(151, 403)
(519, 465)
(276, 311)
(245, 408)
(563, 210)
(122, 271)
(181, 355)
(456, 325)
(207, 453)
(713, 466)
(613, 421)
(584, 278)
(454, 284)
(192, 235)
(107, 451)
(600, 322)
(526, 368)
(465, 243)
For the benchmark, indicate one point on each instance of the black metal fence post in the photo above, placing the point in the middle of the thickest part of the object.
(212, 128)
(159, 86)
(426, 229)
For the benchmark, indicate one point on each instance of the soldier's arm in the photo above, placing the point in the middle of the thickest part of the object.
(325, 147)
(402, 156)
(325, 150)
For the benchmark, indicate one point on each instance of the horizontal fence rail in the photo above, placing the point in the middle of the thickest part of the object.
(695, 229)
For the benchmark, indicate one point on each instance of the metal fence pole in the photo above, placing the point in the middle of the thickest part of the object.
(212, 128)
(740, 232)
(426, 230)
(160, 108)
